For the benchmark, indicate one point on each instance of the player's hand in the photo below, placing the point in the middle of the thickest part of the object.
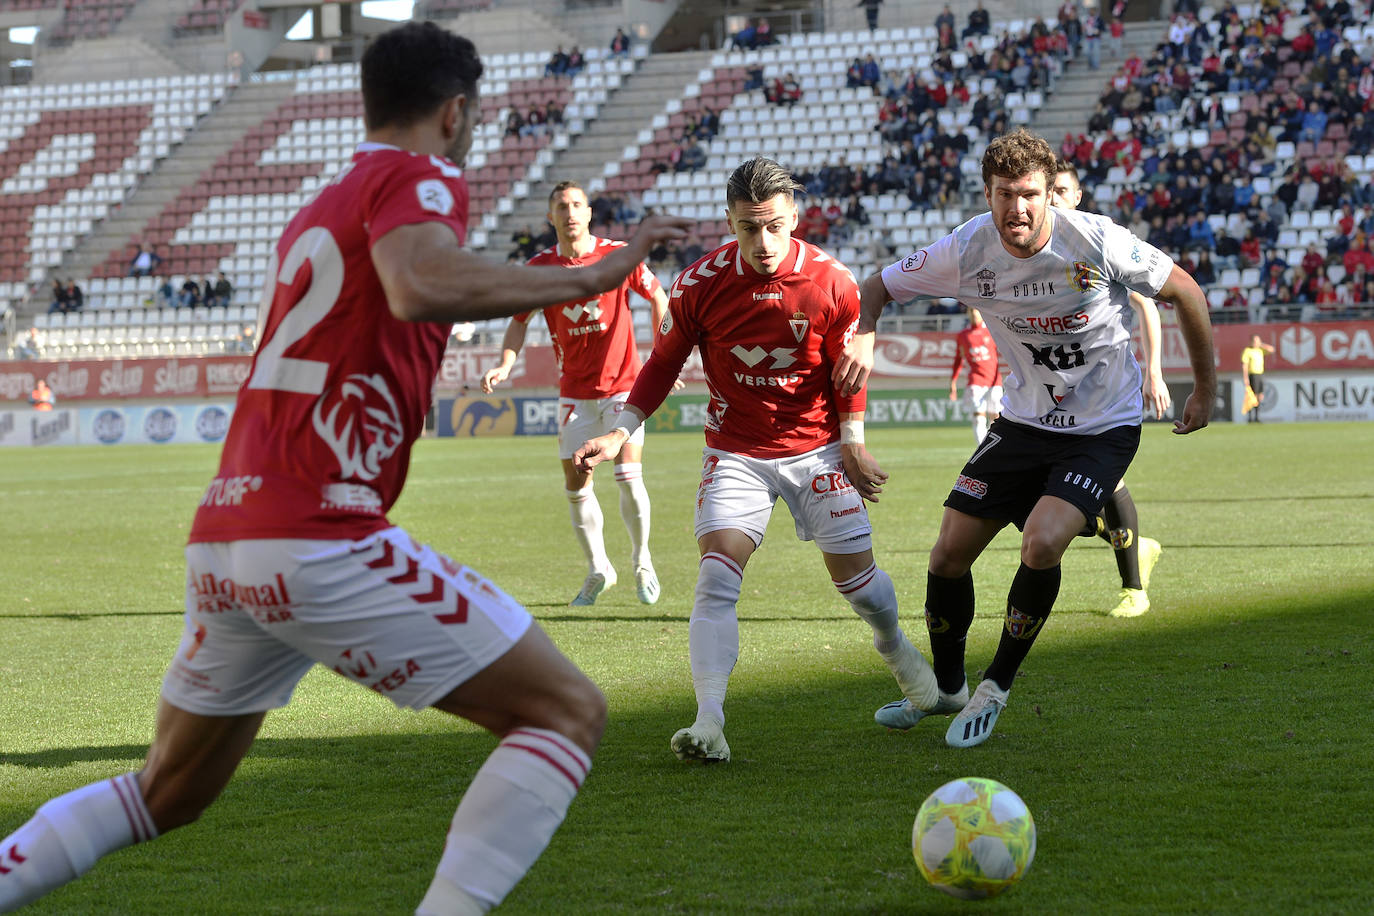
(678, 384)
(595, 451)
(953, 393)
(493, 378)
(863, 471)
(1157, 397)
(1196, 412)
(854, 365)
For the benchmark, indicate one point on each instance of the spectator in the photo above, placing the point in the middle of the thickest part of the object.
(693, 157)
(1314, 122)
(1200, 235)
(222, 292)
(29, 345)
(75, 297)
(854, 75)
(1235, 300)
(557, 64)
(871, 73)
(144, 262)
(763, 37)
(534, 123)
(60, 303)
(620, 44)
(979, 22)
(576, 61)
(709, 124)
(871, 12)
(247, 339)
(743, 40)
(164, 296)
(514, 123)
(42, 397)
(1092, 37)
(786, 90)
(553, 115)
(753, 79)
(1204, 271)
(945, 20)
(189, 296)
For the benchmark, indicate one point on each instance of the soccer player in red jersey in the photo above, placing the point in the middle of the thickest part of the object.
(974, 346)
(595, 342)
(292, 562)
(770, 314)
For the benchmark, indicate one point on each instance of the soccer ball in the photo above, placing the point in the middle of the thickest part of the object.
(973, 838)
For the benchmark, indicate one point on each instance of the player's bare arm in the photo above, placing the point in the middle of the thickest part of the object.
(1182, 292)
(428, 277)
(855, 364)
(860, 467)
(604, 447)
(1155, 389)
(511, 344)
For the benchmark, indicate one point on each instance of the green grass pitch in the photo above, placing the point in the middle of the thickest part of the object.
(1213, 756)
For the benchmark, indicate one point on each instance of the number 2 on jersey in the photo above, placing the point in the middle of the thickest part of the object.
(275, 371)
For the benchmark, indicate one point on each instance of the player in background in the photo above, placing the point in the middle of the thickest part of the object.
(1252, 376)
(595, 343)
(770, 314)
(291, 560)
(1052, 285)
(974, 345)
(1118, 523)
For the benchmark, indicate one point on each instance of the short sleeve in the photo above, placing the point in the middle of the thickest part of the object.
(1135, 264)
(643, 281)
(930, 271)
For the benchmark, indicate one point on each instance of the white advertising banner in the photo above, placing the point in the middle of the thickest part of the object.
(155, 425)
(38, 427)
(1313, 399)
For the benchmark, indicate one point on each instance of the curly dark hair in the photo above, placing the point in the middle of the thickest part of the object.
(1018, 154)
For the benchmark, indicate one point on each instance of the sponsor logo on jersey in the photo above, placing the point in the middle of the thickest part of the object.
(1083, 275)
(987, 283)
(1032, 288)
(829, 483)
(230, 491)
(434, 196)
(666, 324)
(361, 423)
(160, 425)
(108, 426)
(589, 311)
(1056, 417)
(970, 485)
(799, 325)
(852, 510)
(760, 297)
(752, 356)
(914, 261)
(1045, 324)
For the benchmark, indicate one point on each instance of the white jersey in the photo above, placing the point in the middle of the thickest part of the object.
(1060, 318)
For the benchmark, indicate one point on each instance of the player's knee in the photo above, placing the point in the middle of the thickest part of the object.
(577, 710)
(1041, 550)
(948, 564)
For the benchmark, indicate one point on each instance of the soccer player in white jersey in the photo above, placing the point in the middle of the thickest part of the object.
(291, 560)
(1119, 523)
(1052, 286)
(598, 362)
(770, 315)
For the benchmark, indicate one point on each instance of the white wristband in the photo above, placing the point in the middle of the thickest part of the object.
(851, 432)
(628, 422)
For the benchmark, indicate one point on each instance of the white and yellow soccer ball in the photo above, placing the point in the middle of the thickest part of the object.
(973, 838)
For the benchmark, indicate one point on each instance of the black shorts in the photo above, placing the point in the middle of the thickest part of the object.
(1257, 383)
(1016, 465)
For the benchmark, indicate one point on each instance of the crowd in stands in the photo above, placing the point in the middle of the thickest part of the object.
(536, 122)
(565, 63)
(1299, 89)
(66, 297)
(755, 35)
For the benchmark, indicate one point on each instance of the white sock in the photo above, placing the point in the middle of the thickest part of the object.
(713, 636)
(505, 820)
(587, 523)
(980, 427)
(874, 598)
(66, 837)
(634, 509)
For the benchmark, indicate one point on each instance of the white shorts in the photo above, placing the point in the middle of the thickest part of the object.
(384, 611)
(739, 492)
(985, 399)
(579, 421)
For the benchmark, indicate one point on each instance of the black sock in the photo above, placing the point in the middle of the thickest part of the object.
(1123, 529)
(949, 614)
(1028, 604)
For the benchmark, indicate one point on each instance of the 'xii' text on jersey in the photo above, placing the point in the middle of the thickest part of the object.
(767, 343)
(594, 339)
(1060, 318)
(320, 441)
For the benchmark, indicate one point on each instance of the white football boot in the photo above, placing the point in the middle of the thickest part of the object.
(595, 584)
(973, 725)
(704, 741)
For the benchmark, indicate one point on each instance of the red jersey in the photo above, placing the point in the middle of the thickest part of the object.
(338, 390)
(594, 340)
(975, 347)
(767, 343)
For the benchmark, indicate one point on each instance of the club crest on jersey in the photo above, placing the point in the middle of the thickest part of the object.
(914, 261)
(987, 283)
(434, 196)
(1083, 275)
(799, 324)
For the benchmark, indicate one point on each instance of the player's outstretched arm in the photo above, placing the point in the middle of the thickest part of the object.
(856, 362)
(860, 467)
(428, 277)
(1155, 389)
(1183, 293)
(510, 350)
